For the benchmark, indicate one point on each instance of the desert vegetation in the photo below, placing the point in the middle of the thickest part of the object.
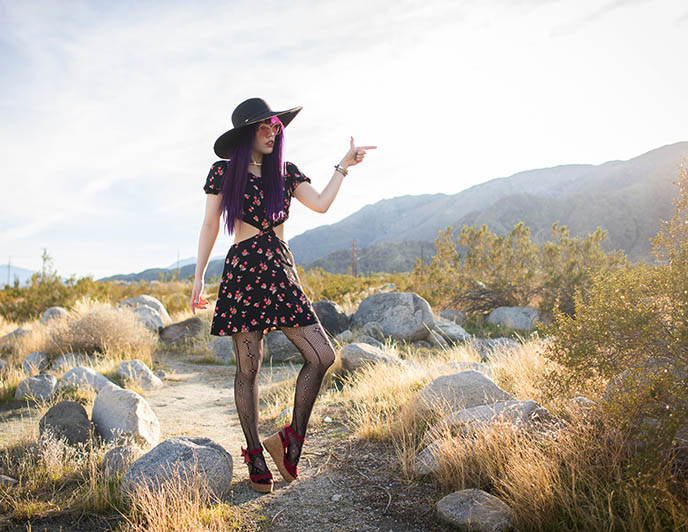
(586, 428)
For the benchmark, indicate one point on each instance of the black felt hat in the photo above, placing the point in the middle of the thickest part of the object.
(246, 113)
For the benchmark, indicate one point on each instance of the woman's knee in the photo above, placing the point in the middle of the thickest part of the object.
(327, 356)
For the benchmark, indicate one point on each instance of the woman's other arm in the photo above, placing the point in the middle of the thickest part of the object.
(209, 231)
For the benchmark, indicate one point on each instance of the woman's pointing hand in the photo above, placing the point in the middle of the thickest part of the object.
(355, 154)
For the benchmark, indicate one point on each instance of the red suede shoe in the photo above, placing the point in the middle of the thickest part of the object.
(277, 447)
(261, 487)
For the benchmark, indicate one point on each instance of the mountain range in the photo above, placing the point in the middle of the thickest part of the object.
(627, 198)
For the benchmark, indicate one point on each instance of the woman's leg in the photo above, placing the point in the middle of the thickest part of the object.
(319, 354)
(248, 349)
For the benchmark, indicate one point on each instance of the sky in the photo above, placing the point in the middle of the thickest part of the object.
(109, 110)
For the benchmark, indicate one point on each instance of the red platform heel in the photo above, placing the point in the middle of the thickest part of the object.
(261, 487)
(277, 447)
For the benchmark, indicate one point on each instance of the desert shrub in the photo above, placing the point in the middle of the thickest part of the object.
(511, 270)
(634, 321)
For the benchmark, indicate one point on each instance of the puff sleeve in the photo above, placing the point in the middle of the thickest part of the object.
(213, 183)
(295, 177)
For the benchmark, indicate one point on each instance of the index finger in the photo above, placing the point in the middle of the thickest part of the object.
(366, 147)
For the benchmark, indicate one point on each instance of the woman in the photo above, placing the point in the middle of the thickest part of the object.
(260, 289)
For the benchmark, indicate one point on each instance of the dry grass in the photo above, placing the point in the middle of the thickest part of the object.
(584, 477)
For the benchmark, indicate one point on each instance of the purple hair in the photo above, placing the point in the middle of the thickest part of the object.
(236, 176)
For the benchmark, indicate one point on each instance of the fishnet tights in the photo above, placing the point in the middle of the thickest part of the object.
(318, 353)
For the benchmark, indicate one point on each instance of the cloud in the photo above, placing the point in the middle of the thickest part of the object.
(587, 19)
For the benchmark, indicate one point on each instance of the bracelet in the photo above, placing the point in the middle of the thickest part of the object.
(341, 169)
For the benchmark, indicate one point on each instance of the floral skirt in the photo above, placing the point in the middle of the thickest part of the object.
(260, 289)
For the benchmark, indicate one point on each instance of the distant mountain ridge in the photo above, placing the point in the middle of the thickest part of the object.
(627, 198)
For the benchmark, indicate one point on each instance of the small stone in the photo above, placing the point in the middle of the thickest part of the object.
(327, 419)
(336, 497)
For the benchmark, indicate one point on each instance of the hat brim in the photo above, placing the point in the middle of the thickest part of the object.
(226, 143)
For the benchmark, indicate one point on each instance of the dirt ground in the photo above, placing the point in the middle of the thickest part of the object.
(344, 485)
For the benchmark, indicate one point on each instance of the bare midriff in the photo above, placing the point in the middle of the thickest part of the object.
(244, 231)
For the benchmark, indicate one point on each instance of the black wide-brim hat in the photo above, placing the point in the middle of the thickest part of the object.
(246, 113)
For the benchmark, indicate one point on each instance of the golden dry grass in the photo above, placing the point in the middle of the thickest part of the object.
(584, 477)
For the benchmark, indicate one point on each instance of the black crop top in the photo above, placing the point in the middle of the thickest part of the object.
(253, 209)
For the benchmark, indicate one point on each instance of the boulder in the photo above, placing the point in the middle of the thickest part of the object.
(35, 362)
(149, 317)
(522, 414)
(67, 420)
(459, 365)
(118, 459)
(124, 413)
(178, 333)
(83, 378)
(185, 457)
(429, 459)
(53, 313)
(486, 347)
(403, 315)
(150, 302)
(15, 334)
(365, 339)
(451, 332)
(280, 348)
(374, 329)
(71, 360)
(344, 337)
(39, 387)
(222, 347)
(436, 339)
(453, 315)
(333, 318)
(137, 371)
(460, 390)
(515, 317)
(8, 481)
(355, 356)
(475, 510)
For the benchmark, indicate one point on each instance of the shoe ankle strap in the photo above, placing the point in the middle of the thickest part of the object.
(289, 430)
(246, 452)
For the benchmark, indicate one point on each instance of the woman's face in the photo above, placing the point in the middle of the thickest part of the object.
(266, 132)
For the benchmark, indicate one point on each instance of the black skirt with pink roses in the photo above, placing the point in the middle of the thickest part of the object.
(260, 288)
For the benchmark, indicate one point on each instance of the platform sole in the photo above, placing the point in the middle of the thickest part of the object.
(274, 446)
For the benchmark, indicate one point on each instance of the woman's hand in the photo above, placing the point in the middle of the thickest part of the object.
(355, 154)
(197, 300)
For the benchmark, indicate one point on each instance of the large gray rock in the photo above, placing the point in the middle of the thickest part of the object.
(137, 371)
(185, 457)
(124, 413)
(460, 390)
(15, 334)
(459, 365)
(68, 420)
(84, 378)
(222, 347)
(71, 360)
(280, 348)
(365, 339)
(451, 332)
(333, 318)
(149, 317)
(487, 347)
(403, 315)
(453, 315)
(180, 332)
(522, 414)
(355, 356)
(515, 317)
(118, 459)
(150, 302)
(436, 339)
(429, 460)
(374, 329)
(344, 337)
(475, 510)
(35, 362)
(53, 313)
(40, 387)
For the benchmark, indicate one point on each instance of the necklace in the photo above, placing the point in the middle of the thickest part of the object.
(257, 164)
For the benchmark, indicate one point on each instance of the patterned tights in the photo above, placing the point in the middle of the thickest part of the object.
(318, 353)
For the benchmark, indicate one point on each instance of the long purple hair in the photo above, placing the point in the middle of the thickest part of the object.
(236, 176)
